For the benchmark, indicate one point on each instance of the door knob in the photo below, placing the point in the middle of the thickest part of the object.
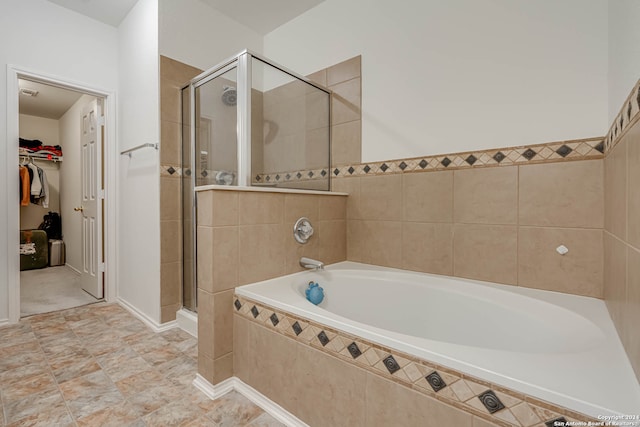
(80, 209)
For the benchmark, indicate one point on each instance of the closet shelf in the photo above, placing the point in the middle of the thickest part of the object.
(43, 156)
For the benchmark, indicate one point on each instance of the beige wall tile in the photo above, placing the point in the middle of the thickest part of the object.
(346, 143)
(260, 252)
(633, 189)
(615, 279)
(578, 272)
(351, 186)
(293, 250)
(486, 196)
(343, 71)
(205, 324)
(300, 205)
(615, 190)
(317, 149)
(486, 252)
(332, 207)
(241, 351)
(222, 368)
(222, 323)
(205, 208)
(565, 194)
(170, 101)
(381, 198)
(170, 243)
(375, 242)
(224, 208)
(224, 262)
(391, 404)
(319, 77)
(272, 373)
(177, 71)
(632, 336)
(428, 196)
(427, 247)
(170, 143)
(205, 368)
(316, 111)
(332, 241)
(170, 203)
(204, 258)
(170, 283)
(346, 102)
(168, 312)
(260, 208)
(335, 398)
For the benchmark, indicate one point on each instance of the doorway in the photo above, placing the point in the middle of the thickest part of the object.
(63, 140)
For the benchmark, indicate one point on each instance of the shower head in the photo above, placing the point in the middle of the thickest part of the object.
(229, 96)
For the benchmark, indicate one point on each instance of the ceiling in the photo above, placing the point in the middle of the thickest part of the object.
(51, 102)
(110, 12)
(262, 16)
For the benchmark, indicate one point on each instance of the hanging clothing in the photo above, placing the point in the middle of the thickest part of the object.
(44, 193)
(36, 184)
(25, 186)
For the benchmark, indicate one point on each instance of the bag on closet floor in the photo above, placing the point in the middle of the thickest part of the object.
(52, 225)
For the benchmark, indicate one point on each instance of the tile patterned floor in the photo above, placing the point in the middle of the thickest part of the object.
(98, 365)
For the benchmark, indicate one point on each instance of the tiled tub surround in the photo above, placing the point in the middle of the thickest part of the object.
(622, 237)
(245, 236)
(502, 348)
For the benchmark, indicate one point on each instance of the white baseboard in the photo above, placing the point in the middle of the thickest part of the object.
(187, 321)
(73, 268)
(234, 383)
(155, 327)
(4, 322)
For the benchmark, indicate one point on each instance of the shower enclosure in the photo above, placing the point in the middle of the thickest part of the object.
(250, 122)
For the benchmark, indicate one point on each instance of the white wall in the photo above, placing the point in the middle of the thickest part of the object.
(447, 76)
(70, 183)
(139, 179)
(51, 40)
(624, 51)
(46, 130)
(198, 35)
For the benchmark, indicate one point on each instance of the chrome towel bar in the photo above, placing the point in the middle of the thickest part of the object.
(131, 150)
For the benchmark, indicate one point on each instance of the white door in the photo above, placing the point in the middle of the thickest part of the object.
(91, 208)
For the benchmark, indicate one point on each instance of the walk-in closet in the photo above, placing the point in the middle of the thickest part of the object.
(52, 124)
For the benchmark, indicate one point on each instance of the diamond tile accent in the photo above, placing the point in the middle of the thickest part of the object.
(299, 175)
(564, 150)
(384, 167)
(297, 328)
(323, 173)
(310, 174)
(288, 176)
(600, 147)
(171, 170)
(529, 154)
(556, 422)
(258, 178)
(354, 350)
(629, 111)
(336, 171)
(237, 304)
(491, 401)
(323, 338)
(204, 173)
(499, 156)
(351, 170)
(446, 162)
(391, 364)
(254, 311)
(435, 381)
(274, 319)
(366, 169)
(187, 172)
(402, 165)
(423, 163)
(268, 178)
(471, 159)
(277, 177)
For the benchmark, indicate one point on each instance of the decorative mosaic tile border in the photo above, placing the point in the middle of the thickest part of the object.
(489, 401)
(627, 117)
(582, 149)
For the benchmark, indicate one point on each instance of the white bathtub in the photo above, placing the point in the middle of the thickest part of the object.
(560, 348)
